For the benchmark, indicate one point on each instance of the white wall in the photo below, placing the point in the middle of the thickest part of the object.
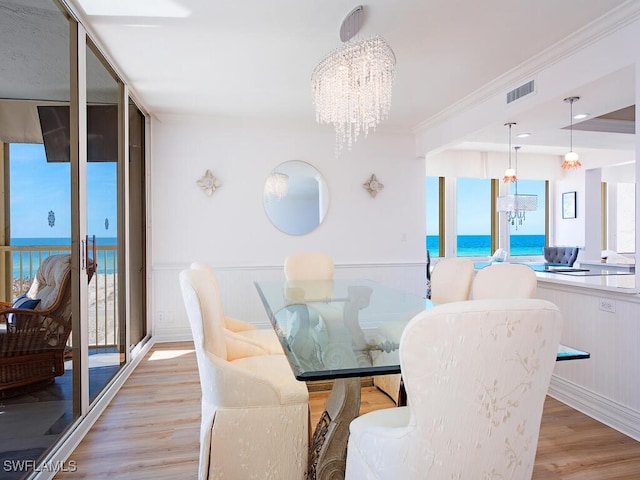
(230, 230)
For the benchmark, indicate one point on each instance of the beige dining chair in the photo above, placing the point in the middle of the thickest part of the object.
(504, 280)
(255, 414)
(239, 330)
(476, 375)
(451, 280)
(309, 266)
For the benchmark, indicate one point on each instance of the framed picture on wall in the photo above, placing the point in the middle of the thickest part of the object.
(569, 205)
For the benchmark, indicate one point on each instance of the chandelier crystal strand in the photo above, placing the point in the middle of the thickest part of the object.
(352, 88)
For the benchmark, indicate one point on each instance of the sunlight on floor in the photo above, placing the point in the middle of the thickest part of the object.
(167, 354)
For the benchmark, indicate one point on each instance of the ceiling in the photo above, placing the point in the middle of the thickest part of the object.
(251, 61)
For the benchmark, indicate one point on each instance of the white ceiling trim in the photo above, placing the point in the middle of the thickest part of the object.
(613, 21)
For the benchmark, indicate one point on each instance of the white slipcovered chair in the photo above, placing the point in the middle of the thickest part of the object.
(504, 280)
(255, 414)
(236, 329)
(451, 280)
(309, 266)
(476, 375)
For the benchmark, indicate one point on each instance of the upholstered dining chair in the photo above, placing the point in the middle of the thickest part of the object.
(504, 280)
(476, 375)
(235, 328)
(450, 280)
(255, 414)
(309, 266)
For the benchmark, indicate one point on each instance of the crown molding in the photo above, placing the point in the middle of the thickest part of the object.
(613, 21)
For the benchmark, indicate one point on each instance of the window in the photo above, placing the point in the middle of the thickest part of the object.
(474, 216)
(625, 233)
(530, 237)
(434, 188)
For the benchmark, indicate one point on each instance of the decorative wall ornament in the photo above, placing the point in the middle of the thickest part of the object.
(52, 218)
(209, 183)
(373, 186)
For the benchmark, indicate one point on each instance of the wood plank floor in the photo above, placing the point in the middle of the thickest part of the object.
(151, 430)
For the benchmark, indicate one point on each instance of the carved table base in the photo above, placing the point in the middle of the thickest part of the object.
(328, 449)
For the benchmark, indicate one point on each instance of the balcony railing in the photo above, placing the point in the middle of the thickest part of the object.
(19, 265)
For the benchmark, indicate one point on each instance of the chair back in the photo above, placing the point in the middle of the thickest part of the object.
(504, 280)
(50, 281)
(476, 375)
(451, 280)
(309, 266)
(204, 311)
(561, 255)
(208, 269)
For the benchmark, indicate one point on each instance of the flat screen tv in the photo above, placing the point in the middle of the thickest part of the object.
(102, 132)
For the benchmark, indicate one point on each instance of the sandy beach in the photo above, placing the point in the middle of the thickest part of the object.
(102, 317)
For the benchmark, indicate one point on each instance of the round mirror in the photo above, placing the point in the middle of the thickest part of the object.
(296, 197)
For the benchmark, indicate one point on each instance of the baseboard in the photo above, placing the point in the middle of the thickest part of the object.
(603, 409)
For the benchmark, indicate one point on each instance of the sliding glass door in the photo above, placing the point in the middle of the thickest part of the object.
(72, 168)
(106, 323)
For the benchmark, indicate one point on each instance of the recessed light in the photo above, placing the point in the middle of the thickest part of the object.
(523, 135)
(580, 116)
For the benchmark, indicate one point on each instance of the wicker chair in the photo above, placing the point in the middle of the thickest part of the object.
(32, 343)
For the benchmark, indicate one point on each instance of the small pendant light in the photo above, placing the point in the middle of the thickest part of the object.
(571, 159)
(510, 173)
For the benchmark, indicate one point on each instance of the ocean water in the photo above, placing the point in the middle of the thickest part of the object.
(480, 245)
(31, 260)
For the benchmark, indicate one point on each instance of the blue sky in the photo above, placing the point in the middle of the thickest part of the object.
(38, 187)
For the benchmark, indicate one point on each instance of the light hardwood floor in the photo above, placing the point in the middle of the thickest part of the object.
(151, 430)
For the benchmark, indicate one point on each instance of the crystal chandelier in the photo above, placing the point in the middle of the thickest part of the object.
(571, 159)
(351, 87)
(276, 186)
(516, 205)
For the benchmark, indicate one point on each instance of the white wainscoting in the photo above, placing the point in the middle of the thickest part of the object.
(240, 297)
(606, 386)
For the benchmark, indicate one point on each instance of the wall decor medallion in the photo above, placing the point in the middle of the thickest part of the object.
(209, 183)
(373, 186)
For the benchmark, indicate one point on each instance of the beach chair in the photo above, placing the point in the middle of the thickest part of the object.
(35, 329)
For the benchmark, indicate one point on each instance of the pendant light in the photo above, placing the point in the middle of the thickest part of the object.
(510, 173)
(571, 159)
(515, 206)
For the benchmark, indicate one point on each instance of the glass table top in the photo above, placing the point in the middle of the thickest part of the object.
(332, 329)
(345, 328)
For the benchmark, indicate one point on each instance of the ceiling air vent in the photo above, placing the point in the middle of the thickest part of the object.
(520, 91)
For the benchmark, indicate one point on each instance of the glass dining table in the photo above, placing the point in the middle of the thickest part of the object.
(342, 330)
